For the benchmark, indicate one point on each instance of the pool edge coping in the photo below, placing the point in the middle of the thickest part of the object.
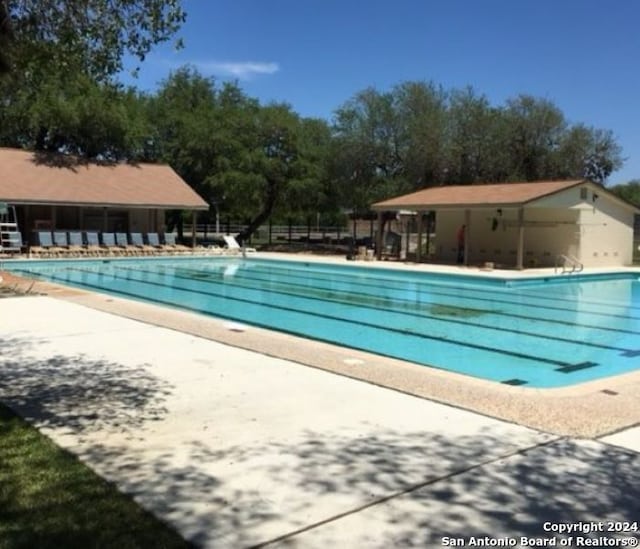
(590, 409)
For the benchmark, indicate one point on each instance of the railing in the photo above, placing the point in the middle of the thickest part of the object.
(570, 264)
(275, 233)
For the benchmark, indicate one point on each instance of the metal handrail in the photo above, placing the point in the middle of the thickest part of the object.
(570, 264)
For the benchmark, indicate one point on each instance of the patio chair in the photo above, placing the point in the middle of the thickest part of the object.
(93, 243)
(122, 242)
(76, 245)
(45, 246)
(61, 242)
(171, 245)
(234, 247)
(109, 243)
(153, 241)
(137, 243)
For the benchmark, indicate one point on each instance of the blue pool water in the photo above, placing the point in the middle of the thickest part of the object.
(531, 332)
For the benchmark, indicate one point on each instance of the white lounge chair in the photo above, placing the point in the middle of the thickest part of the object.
(234, 247)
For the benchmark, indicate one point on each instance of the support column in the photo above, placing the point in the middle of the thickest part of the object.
(419, 246)
(379, 236)
(520, 257)
(27, 230)
(193, 229)
(105, 220)
(467, 232)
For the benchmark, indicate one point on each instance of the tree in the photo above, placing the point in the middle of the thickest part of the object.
(271, 161)
(60, 58)
(628, 191)
(474, 141)
(92, 35)
(5, 37)
(313, 191)
(535, 128)
(368, 161)
(76, 115)
(422, 114)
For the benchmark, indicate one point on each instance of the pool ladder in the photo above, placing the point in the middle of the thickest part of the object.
(569, 264)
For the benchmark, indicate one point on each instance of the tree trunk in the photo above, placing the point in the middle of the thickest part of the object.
(263, 216)
(5, 37)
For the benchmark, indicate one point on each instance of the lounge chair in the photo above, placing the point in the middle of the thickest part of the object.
(153, 241)
(171, 245)
(61, 242)
(234, 247)
(109, 242)
(93, 243)
(76, 246)
(122, 242)
(45, 246)
(138, 244)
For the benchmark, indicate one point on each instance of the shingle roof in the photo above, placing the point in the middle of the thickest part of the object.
(493, 194)
(30, 178)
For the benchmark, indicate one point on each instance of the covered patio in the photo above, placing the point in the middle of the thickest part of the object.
(516, 225)
(59, 192)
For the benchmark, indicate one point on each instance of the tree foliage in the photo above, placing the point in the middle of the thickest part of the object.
(251, 160)
(74, 114)
(419, 134)
(258, 162)
(92, 35)
(628, 191)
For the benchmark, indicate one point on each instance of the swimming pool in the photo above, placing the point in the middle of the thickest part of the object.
(533, 332)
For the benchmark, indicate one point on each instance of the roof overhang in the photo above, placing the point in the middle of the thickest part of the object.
(62, 180)
(488, 196)
(114, 205)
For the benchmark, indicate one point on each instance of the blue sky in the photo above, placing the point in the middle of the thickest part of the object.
(583, 55)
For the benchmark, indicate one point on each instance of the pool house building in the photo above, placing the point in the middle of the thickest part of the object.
(514, 225)
(60, 192)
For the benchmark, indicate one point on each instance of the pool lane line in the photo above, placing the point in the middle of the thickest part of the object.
(405, 333)
(463, 296)
(352, 345)
(628, 352)
(419, 314)
(504, 290)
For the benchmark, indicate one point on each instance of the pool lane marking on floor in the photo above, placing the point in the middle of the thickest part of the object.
(469, 286)
(424, 315)
(334, 318)
(515, 354)
(457, 296)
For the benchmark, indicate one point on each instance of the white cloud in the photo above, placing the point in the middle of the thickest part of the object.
(243, 70)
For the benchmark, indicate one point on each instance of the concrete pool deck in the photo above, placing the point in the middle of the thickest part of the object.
(225, 432)
(587, 410)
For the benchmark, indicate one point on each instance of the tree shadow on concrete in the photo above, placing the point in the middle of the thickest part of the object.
(371, 486)
(78, 393)
(565, 482)
(250, 495)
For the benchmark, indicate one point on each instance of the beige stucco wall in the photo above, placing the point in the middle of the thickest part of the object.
(542, 244)
(606, 233)
(598, 232)
(605, 225)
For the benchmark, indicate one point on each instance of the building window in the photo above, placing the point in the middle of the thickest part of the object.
(583, 193)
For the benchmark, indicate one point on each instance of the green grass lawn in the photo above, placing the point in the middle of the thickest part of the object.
(49, 499)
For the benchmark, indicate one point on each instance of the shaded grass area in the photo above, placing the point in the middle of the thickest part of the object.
(49, 499)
